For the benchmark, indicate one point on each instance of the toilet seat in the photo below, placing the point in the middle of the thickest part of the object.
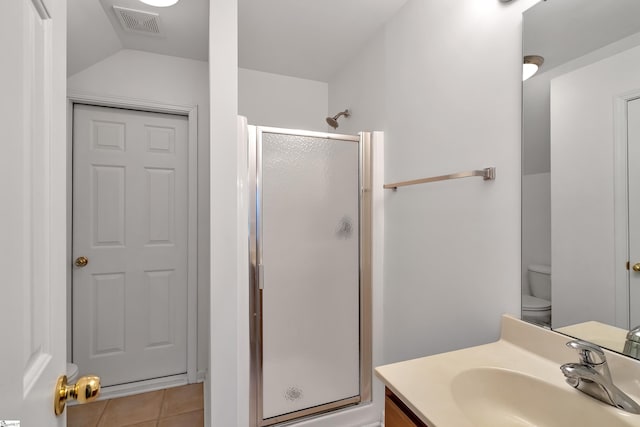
(531, 303)
(536, 310)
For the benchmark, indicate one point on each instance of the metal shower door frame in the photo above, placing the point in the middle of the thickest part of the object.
(256, 279)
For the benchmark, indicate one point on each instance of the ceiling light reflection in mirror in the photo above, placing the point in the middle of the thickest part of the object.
(531, 65)
(160, 3)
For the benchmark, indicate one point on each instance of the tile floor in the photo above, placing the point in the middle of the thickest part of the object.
(173, 407)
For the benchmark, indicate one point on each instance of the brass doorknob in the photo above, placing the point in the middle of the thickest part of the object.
(85, 390)
(636, 267)
(81, 261)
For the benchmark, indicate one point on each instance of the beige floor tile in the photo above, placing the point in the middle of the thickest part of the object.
(86, 415)
(189, 419)
(179, 400)
(129, 410)
(153, 423)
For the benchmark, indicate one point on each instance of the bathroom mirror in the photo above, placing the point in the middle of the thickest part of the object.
(581, 166)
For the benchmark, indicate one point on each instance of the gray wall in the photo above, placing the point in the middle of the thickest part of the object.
(443, 80)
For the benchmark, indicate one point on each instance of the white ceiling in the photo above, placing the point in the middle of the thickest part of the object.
(562, 30)
(310, 39)
(302, 38)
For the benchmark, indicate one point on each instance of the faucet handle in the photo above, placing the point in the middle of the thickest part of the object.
(589, 353)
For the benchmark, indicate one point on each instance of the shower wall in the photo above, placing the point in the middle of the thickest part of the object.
(308, 247)
(282, 101)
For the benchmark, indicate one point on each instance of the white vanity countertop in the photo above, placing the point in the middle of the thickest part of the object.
(602, 334)
(425, 384)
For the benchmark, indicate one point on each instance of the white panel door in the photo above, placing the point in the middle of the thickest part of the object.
(33, 210)
(130, 222)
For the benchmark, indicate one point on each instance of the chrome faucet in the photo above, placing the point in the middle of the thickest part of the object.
(592, 376)
(632, 343)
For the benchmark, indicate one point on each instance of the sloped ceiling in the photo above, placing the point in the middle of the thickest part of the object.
(301, 38)
(307, 38)
(90, 36)
(95, 33)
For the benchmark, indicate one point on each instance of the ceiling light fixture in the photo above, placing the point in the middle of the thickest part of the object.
(531, 65)
(160, 3)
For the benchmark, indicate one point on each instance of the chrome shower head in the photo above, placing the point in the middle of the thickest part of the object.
(333, 121)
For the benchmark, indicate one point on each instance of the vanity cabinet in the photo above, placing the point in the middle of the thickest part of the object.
(397, 414)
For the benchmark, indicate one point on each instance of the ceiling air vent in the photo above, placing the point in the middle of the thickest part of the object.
(138, 21)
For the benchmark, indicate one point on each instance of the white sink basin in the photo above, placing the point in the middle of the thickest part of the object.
(495, 397)
(513, 382)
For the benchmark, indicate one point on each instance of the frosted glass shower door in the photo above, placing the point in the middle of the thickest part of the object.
(310, 271)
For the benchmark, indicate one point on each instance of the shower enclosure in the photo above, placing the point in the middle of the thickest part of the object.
(311, 272)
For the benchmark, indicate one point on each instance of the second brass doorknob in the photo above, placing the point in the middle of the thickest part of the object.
(81, 261)
(636, 267)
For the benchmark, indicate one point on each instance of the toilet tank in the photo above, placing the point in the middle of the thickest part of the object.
(540, 281)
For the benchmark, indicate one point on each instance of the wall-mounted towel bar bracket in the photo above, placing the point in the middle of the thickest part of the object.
(487, 174)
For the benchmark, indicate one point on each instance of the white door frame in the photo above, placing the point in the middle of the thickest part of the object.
(191, 112)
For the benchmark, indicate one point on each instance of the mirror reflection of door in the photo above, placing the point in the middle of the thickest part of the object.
(633, 160)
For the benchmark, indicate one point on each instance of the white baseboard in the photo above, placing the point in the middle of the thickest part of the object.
(201, 376)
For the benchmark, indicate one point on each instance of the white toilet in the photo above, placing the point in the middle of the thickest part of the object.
(536, 307)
